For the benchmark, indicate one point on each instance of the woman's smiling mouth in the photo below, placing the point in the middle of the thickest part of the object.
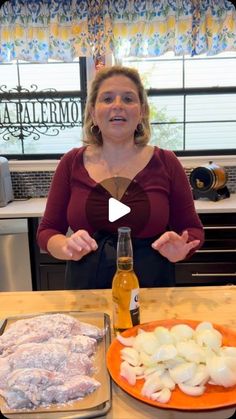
(117, 119)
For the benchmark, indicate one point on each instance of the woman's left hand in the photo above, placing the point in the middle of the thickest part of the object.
(173, 246)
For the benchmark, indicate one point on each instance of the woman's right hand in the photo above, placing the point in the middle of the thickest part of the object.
(78, 245)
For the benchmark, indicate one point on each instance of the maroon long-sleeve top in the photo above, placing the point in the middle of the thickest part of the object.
(75, 200)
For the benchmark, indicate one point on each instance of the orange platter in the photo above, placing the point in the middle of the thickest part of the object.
(214, 396)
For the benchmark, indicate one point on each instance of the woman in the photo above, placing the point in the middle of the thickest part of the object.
(116, 161)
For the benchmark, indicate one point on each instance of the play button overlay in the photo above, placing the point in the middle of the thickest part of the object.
(116, 210)
(116, 202)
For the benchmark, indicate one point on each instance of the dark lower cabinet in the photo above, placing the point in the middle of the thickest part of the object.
(205, 273)
(213, 264)
(52, 276)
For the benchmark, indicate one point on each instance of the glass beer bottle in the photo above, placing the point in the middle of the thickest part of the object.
(125, 285)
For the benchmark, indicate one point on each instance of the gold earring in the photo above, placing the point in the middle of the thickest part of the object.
(139, 130)
(95, 130)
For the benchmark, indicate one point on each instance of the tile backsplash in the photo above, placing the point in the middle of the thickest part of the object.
(36, 184)
(31, 184)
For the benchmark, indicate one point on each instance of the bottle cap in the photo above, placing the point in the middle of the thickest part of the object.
(124, 230)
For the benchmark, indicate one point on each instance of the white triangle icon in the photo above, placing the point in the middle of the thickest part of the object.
(116, 209)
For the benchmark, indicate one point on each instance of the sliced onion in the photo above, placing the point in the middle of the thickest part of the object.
(131, 356)
(210, 338)
(191, 351)
(126, 341)
(221, 371)
(171, 363)
(200, 377)
(181, 332)
(158, 368)
(191, 390)
(128, 372)
(151, 385)
(163, 335)
(146, 360)
(228, 351)
(164, 353)
(204, 326)
(139, 371)
(167, 380)
(146, 342)
(183, 372)
(162, 396)
(184, 356)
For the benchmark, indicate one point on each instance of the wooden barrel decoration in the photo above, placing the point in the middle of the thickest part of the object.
(209, 177)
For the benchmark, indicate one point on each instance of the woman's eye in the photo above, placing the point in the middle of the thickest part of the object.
(107, 99)
(128, 99)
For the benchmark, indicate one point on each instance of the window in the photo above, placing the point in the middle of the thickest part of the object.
(41, 107)
(192, 101)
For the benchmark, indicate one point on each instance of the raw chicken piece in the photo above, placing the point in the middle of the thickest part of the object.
(15, 400)
(38, 355)
(47, 359)
(82, 328)
(22, 378)
(24, 386)
(43, 327)
(33, 387)
(74, 388)
(77, 364)
(5, 370)
(50, 356)
(9, 346)
(78, 343)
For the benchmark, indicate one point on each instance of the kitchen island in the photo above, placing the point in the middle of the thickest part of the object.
(215, 304)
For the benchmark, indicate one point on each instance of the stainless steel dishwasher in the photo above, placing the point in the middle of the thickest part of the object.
(15, 268)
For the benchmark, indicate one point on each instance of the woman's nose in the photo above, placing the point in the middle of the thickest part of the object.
(117, 101)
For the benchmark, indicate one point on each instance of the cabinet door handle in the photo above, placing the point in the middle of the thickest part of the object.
(214, 274)
(219, 227)
(216, 251)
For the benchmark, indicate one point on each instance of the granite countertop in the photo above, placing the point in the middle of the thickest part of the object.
(34, 207)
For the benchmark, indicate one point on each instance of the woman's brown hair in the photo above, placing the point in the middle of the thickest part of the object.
(92, 134)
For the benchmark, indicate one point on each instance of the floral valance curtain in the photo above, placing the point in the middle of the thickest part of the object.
(37, 30)
(151, 28)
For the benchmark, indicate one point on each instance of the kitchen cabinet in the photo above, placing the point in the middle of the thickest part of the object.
(52, 277)
(51, 273)
(214, 263)
(48, 273)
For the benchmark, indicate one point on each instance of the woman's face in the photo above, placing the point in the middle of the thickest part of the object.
(117, 110)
